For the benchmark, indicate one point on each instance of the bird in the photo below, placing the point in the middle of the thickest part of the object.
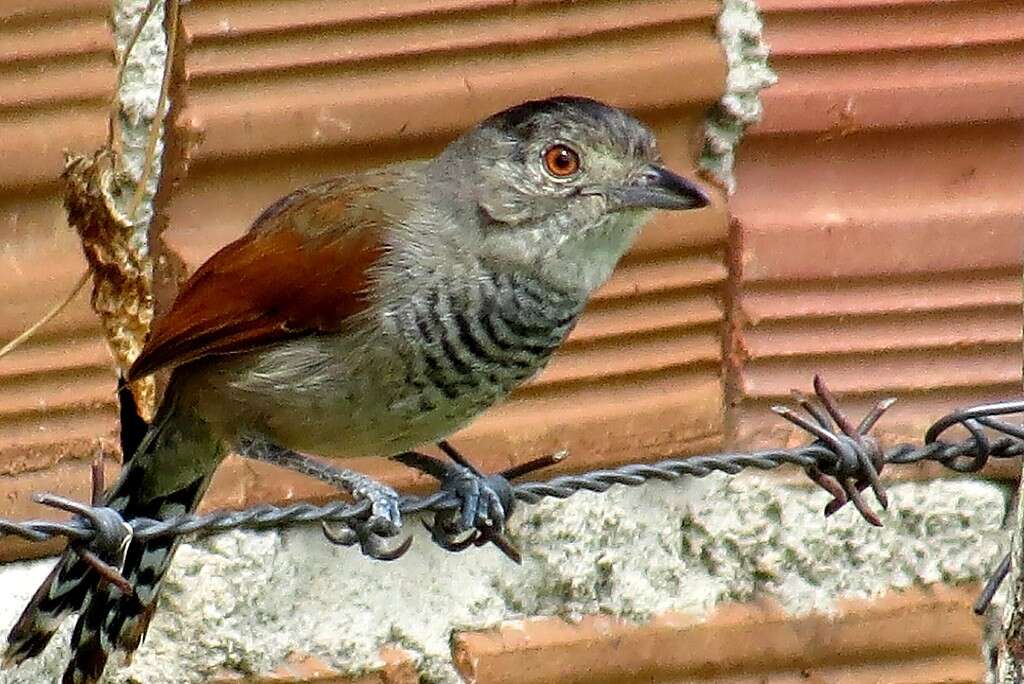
(365, 315)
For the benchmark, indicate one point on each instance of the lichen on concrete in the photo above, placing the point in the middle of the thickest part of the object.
(740, 31)
(635, 553)
(244, 600)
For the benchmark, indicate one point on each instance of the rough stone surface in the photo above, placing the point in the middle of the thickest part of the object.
(244, 600)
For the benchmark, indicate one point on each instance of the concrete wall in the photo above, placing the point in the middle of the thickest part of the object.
(244, 601)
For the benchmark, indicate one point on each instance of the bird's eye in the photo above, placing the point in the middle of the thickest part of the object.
(561, 161)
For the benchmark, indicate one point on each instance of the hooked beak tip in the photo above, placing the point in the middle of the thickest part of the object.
(660, 188)
(675, 191)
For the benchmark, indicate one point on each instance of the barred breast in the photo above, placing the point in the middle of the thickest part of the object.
(467, 347)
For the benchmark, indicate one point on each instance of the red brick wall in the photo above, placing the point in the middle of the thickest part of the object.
(876, 237)
(878, 217)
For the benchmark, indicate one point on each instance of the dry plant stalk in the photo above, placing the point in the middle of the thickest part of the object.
(93, 188)
(122, 293)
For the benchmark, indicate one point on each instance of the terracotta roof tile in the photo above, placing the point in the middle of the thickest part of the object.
(302, 668)
(594, 397)
(922, 636)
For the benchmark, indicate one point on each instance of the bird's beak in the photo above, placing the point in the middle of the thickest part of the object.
(659, 188)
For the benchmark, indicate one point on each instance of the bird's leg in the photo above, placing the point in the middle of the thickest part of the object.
(385, 518)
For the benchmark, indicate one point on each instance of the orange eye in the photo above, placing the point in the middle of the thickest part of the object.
(561, 161)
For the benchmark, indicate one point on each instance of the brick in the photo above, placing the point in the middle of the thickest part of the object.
(298, 668)
(915, 637)
(332, 109)
(663, 304)
(878, 215)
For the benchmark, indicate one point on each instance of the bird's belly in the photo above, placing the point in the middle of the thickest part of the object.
(383, 422)
(373, 403)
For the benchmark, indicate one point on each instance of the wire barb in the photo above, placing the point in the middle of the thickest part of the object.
(858, 457)
(104, 545)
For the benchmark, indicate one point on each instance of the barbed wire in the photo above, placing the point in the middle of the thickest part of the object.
(843, 459)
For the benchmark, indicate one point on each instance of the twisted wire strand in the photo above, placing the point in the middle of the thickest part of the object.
(966, 455)
(844, 459)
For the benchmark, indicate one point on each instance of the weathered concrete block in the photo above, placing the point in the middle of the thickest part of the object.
(244, 600)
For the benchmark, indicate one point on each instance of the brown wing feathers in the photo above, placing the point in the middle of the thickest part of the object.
(280, 280)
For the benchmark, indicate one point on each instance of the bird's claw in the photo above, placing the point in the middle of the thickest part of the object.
(455, 541)
(370, 543)
(485, 502)
(374, 533)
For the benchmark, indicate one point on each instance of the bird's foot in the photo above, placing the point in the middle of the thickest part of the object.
(484, 506)
(384, 522)
(385, 516)
(371, 533)
(485, 502)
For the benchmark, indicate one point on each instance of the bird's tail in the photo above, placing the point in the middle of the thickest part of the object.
(167, 477)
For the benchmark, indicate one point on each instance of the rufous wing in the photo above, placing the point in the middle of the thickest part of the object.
(302, 269)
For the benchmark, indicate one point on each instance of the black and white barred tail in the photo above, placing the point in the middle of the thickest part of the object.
(109, 620)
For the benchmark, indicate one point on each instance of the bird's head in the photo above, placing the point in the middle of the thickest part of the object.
(561, 186)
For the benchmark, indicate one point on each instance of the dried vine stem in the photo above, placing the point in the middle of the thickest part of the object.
(47, 317)
(161, 105)
(115, 103)
(113, 147)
